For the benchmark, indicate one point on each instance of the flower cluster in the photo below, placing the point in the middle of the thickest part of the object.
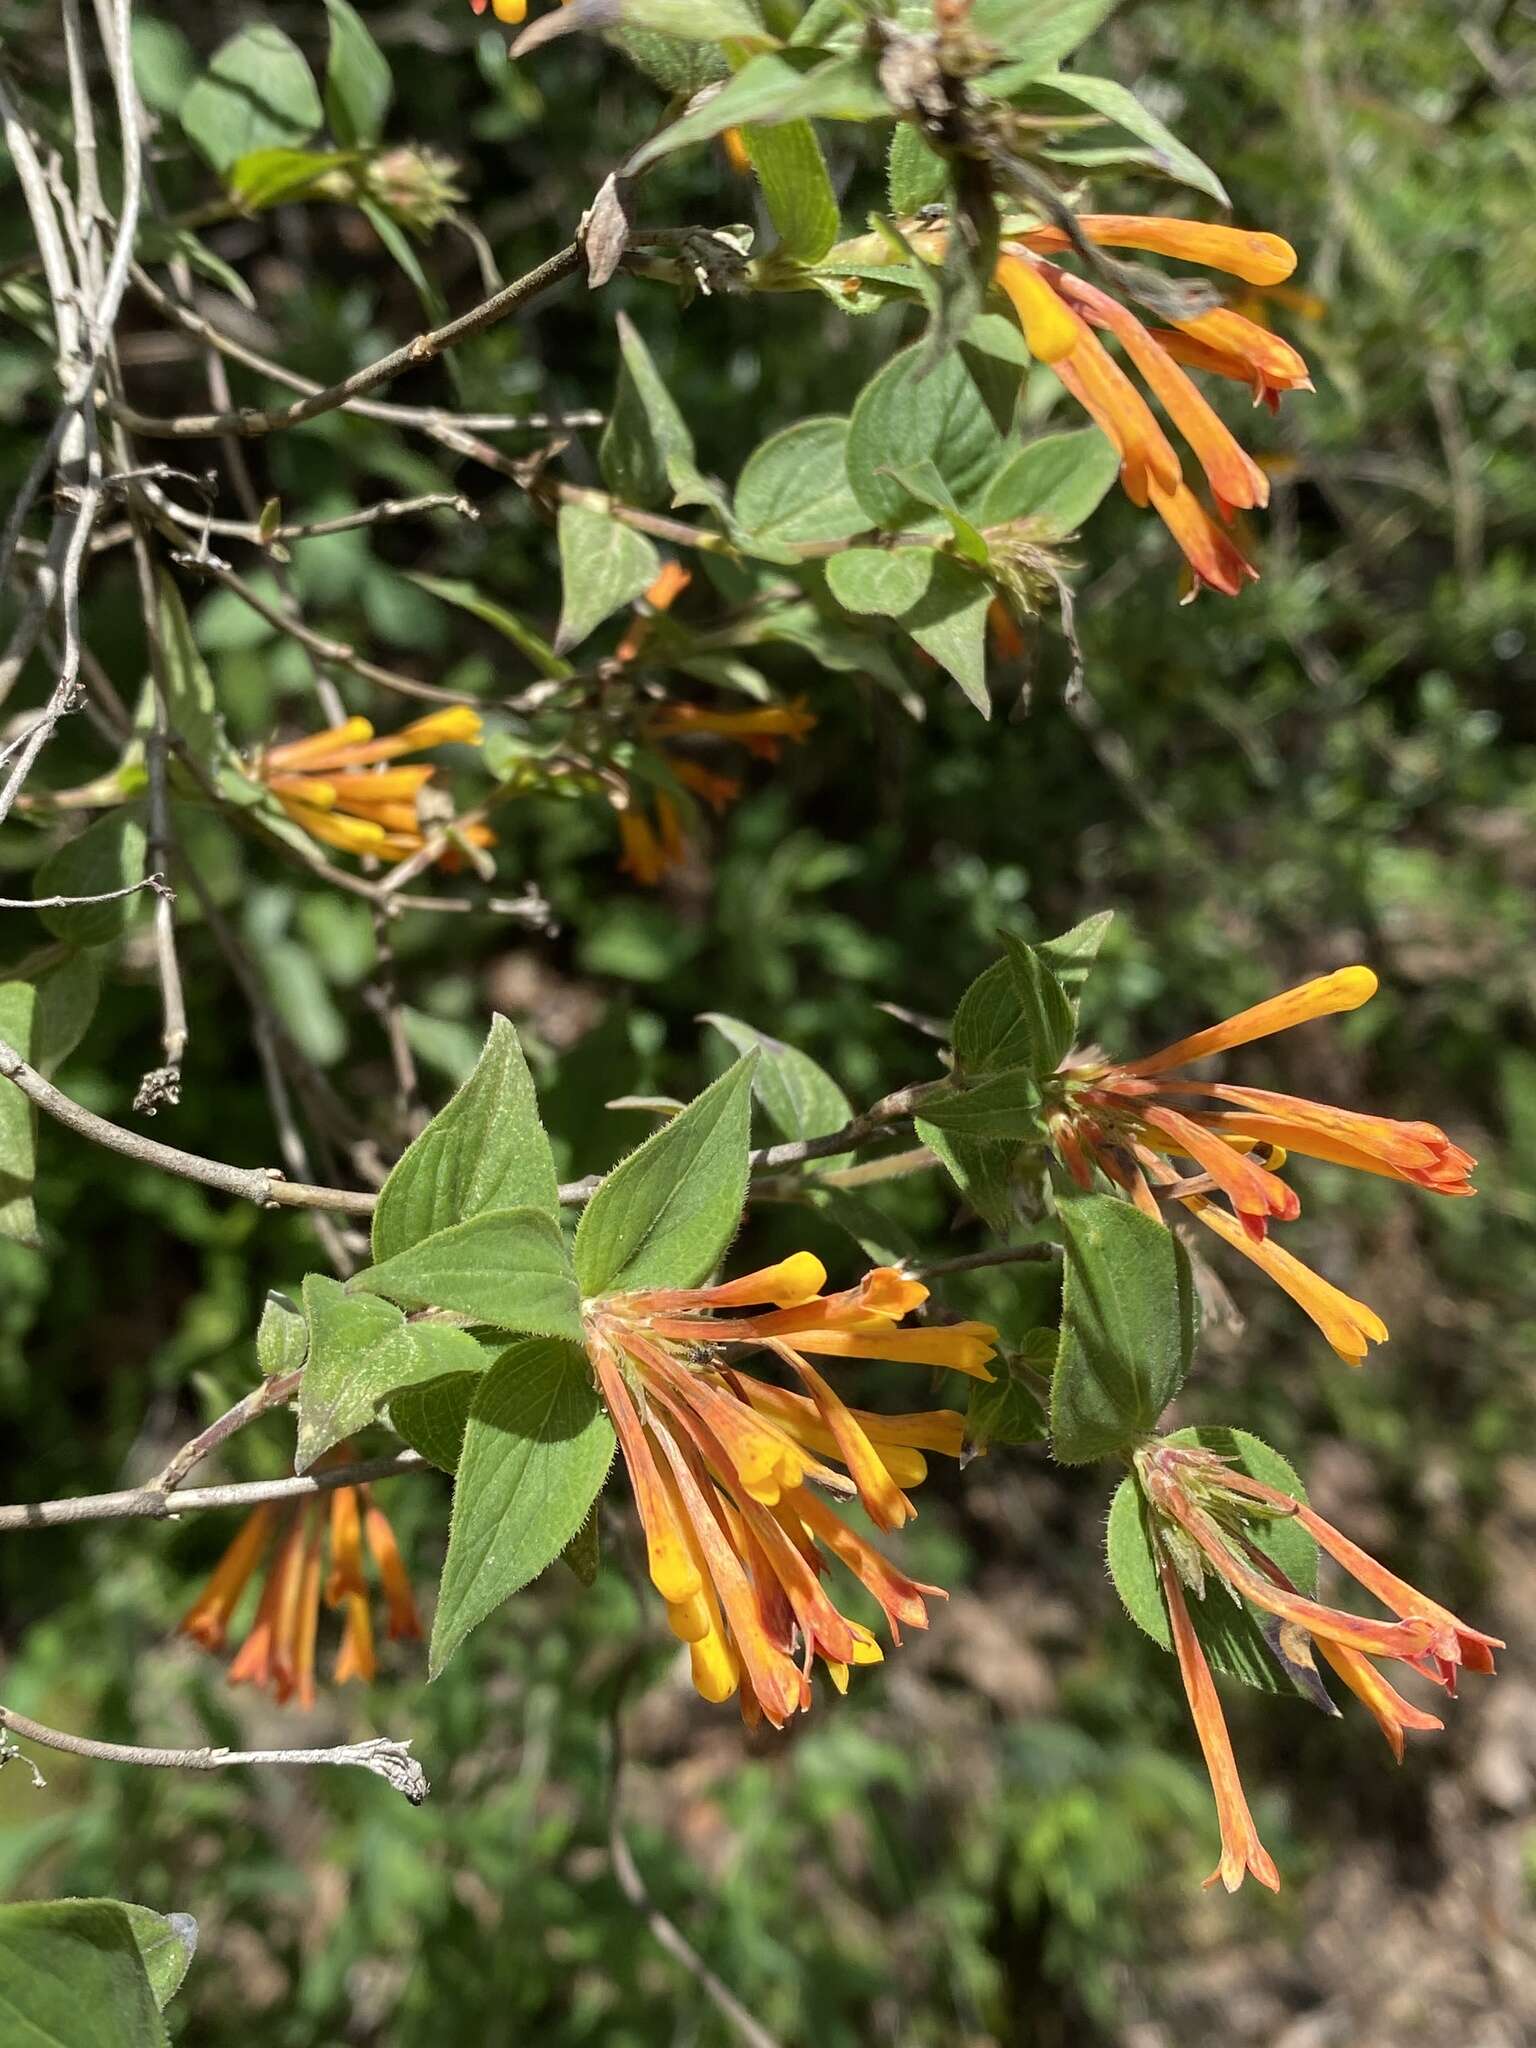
(723, 1465)
(1201, 1512)
(334, 786)
(653, 835)
(1126, 1118)
(311, 1552)
(1060, 313)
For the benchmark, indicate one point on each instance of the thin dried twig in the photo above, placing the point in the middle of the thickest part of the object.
(664, 1931)
(150, 1504)
(157, 882)
(250, 421)
(384, 1755)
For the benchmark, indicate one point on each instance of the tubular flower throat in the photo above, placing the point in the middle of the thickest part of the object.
(724, 1466)
(1062, 316)
(1201, 1511)
(311, 1553)
(333, 786)
(1127, 1119)
(654, 840)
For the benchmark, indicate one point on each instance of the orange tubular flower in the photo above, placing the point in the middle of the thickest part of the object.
(654, 844)
(1058, 312)
(333, 784)
(1201, 1511)
(1127, 1117)
(721, 1464)
(279, 1652)
(1241, 1849)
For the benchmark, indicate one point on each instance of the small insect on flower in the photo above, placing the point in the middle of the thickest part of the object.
(334, 786)
(1202, 1512)
(1062, 314)
(1128, 1118)
(312, 1553)
(725, 1466)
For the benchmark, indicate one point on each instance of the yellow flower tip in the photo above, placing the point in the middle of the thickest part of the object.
(838, 1673)
(510, 13)
(865, 1649)
(716, 1671)
(673, 1572)
(689, 1620)
(458, 723)
(1051, 330)
(1352, 986)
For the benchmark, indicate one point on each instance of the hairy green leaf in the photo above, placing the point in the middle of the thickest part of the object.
(603, 566)
(358, 87)
(536, 1451)
(257, 93)
(73, 1975)
(665, 1215)
(506, 1267)
(1126, 1328)
(358, 1351)
(486, 1149)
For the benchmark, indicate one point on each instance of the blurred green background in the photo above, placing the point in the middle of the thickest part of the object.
(998, 1838)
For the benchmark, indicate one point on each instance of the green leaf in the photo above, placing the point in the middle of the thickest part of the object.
(430, 1412)
(536, 1451)
(506, 1267)
(603, 566)
(1108, 97)
(980, 1168)
(485, 1150)
(915, 174)
(665, 1215)
(490, 613)
(192, 708)
(1126, 1328)
(1229, 1633)
(1045, 1009)
(1006, 1409)
(994, 1107)
(1070, 957)
(800, 1099)
(257, 93)
(677, 67)
(72, 1975)
(923, 481)
(167, 1943)
(358, 87)
(795, 487)
(902, 416)
(885, 581)
(398, 243)
(647, 447)
(271, 177)
(998, 1026)
(796, 188)
(696, 21)
(107, 855)
(282, 1336)
(44, 1021)
(781, 85)
(949, 622)
(584, 1553)
(1052, 485)
(1034, 35)
(358, 1352)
